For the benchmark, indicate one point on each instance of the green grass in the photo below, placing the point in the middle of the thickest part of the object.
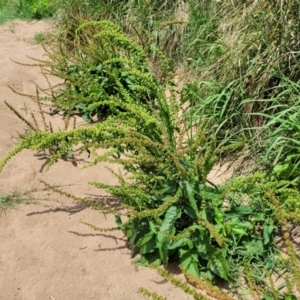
(39, 38)
(8, 11)
(26, 9)
(14, 199)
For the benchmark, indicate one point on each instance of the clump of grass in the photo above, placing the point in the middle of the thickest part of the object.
(39, 37)
(13, 199)
(240, 56)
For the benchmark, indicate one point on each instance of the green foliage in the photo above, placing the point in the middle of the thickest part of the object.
(26, 9)
(7, 11)
(37, 9)
(173, 212)
(104, 62)
(39, 38)
(13, 199)
(242, 58)
(246, 71)
(154, 24)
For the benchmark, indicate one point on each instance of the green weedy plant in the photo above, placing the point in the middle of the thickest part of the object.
(172, 211)
(13, 199)
(37, 9)
(103, 61)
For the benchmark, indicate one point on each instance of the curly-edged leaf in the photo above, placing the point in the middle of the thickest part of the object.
(218, 264)
(190, 193)
(163, 250)
(149, 247)
(152, 227)
(189, 261)
(167, 227)
(168, 189)
(172, 214)
(190, 212)
(119, 222)
(205, 250)
(209, 193)
(178, 244)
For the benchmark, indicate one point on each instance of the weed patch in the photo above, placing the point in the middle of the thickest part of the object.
(244, 102)
(13, 199)
(172, 212)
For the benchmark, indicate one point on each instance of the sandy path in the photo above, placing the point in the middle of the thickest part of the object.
(49, 254)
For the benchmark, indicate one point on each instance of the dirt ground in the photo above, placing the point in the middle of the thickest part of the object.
(45, 252)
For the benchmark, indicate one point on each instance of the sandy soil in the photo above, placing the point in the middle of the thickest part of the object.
(45, 252)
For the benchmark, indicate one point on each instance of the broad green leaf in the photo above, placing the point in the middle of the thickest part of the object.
(70, 154)
(239, 230)
(186, 164)
(170, 189)
(189, 261)
(172, 214)
(152, 227)
(162, 245)
(80, 106)
(128, 228)
(218, 264)
(142, 261)
(290, 297)
(178, 244)
(87, 118)
(209, 193)
(204, 248)
(167, 227)
(190, 193)
(144, 240)
(119, 222)
(149, 247)
(190, 212)
(243, 210)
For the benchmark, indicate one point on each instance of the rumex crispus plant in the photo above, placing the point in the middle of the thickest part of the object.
(172, 211)
(103, 61)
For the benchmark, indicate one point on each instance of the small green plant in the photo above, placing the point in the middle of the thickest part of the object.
(39, 37)
(13, 199)
(104, 61)
(37, 9)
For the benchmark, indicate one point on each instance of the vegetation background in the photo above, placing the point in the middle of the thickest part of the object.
(238, 67)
